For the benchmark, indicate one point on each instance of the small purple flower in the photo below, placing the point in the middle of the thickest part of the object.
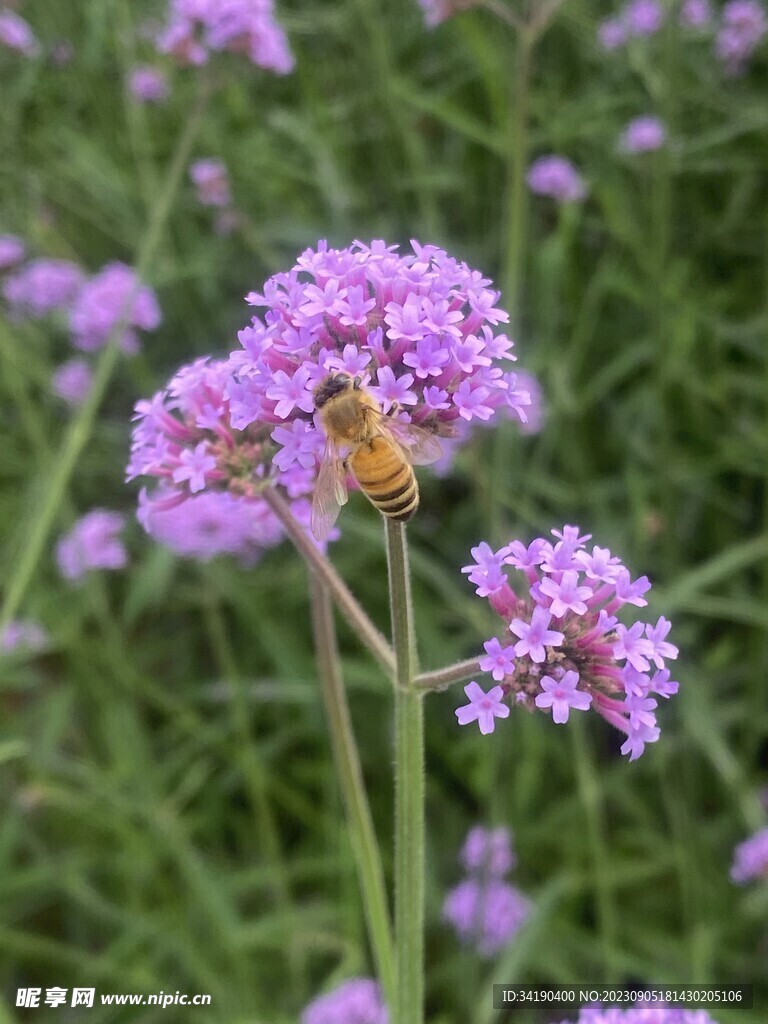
(23, 635)
(92, 543)
(561, 695)
(488, 852)
(12, 251)
(437, 11)
(113, 296)
(534, 411)
(483, 708)
(750, 859)
(17, 34)
(592, 660)
(195, 28)
(556, 176)
(643, 135)
(211, 180)
(357, 1001)
(643, 17)
(43, 286)
(486, 914)
(696, 13)
(743, 27)
(148, 85)
(612, 33)
(642, 1013)
(72, 381)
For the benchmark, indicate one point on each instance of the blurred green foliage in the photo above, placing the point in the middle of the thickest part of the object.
(171, 818)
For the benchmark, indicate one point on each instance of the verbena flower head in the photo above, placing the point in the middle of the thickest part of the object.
(210, 524)
(17, 34)
(12, 251)
(72, 381)
(212, 182)
(113, 296)
(750, 859)
(357, 1001)
(197, 27)
(488, 852)
(642, 1015)
(743, 27)
(23, 635)
(43, 286)
(642, 17)
(643, 135)
(563, 649)
(92, 543)
(556, 176)
(148, 85)
(696, 14)
(184, 439)
(437, 11)
(486, 914)
(421, 329)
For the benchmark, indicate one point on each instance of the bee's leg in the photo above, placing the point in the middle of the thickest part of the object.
(357, 382)
(394, 409)
(345, 464)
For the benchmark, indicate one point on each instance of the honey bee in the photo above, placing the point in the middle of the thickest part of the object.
(381, 451)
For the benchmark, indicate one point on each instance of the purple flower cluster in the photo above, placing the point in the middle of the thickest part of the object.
(92, 543)
(113, 296)
(211, 180)
(23, 635)
(72, 381)
(696, 13)
(197, 27)
(420, 330)
(642, 1015)
(357, 1001)
(556, 176)
(638, 18)
(643, 135)
(743, 27)
(568, 650)
(148, 85)
(12, 251)
(750, 858)
(42, 286)
(484, 910)
(437, 11)
(17, 34)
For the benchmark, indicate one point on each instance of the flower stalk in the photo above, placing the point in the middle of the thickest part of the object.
(365, 846)
(409, 788)
(441, 678)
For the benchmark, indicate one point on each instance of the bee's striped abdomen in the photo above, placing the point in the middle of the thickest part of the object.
(385, 479)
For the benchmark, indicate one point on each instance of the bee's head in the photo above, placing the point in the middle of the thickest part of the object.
(331, 386)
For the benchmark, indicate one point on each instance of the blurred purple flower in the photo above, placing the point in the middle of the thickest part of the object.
(486, 914)
(642, 17)
(17, 34)
(23, 635)
(197, 27)
(72, 381)
(113, 296)
(488, 852)
(368, 310)
(92, 543)
(12, 250)
(750, 858)
(612, 33)
(744, 26)
(643, 135)
(437, 11)
(696, 13)
(43, 286)
(556, 176)
(571, 651)
(535, 411)
(357, 1001)
(148, 85)
(212, 182)
(642, 1014)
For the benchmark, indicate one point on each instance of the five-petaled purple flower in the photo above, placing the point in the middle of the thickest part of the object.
(571, 651)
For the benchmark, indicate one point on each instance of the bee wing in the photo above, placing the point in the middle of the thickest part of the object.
(330, 492)
(420, 447)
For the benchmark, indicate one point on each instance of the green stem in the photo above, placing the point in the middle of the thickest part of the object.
(441, 678)
(362, 626)
(80, 428)
(409, 788)
(347, 760)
